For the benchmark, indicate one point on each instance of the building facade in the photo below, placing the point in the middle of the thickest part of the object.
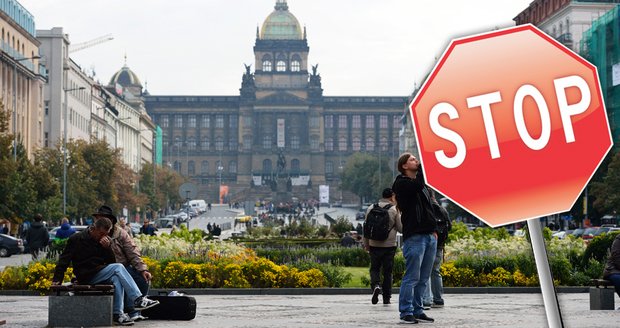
(279, 125)
(21, 75)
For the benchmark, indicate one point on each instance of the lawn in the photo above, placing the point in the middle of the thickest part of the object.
(357, 274)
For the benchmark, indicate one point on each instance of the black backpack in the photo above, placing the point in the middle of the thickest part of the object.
(377, 224)
(443, 224)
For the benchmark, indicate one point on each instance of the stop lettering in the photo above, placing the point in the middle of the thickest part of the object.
(511, 125)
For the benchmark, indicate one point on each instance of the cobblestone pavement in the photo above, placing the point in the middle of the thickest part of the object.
(275, 311)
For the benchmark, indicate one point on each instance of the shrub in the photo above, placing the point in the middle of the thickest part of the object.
(598, 248)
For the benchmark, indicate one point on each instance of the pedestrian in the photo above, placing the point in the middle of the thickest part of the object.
(93, 261)
(65, 231)
(4, 230)
(147, 228)
(37, 236)
(433, 296)
(126, 253)
(382, 251)
(419, 237)
(122, 223)
(612, 267)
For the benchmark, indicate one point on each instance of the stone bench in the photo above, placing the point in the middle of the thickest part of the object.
(602, 297)
(80, 306)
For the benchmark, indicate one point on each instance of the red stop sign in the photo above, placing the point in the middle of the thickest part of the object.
(511, 125)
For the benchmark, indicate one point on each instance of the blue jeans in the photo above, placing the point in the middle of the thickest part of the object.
(419, 252)
(117, 275)
(615, 278)
(434, 291)
(142, 284)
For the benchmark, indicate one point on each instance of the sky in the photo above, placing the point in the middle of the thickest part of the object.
(199, 47)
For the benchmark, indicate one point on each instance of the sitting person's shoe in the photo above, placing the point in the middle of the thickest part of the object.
(375, 295)
(122, 320)
(143, 303)
(409, 318)
(137, 316)
(423, 317)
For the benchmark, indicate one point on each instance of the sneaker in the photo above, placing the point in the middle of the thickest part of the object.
(426, 306)
(143, 303)
(423, 317)
(122, 320)
(136, 316)
(409, 318)
(375, 295)
(437, 305)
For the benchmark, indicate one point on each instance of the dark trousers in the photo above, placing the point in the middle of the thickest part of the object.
(143, 285)
(382, 258)
(615, 278)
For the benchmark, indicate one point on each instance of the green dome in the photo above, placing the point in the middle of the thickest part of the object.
(281, 24)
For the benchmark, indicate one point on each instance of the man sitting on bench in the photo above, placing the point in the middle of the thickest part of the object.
(612, 268)
(94, 263)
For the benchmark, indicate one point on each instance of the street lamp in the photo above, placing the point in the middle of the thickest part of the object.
(64, 155)
(15, 61)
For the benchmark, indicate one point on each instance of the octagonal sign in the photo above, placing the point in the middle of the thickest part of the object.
(511, 125)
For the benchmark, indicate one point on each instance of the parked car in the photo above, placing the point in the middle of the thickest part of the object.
(135, 227)
(578, 232)
(589, 233)
(166, 222)
(10, 245)
(360, 216)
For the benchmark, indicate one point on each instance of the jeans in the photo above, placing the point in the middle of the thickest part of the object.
(419, 252)
(434, 291)
(382, 257)
(142, 284)
(615, 278)
(124, 286)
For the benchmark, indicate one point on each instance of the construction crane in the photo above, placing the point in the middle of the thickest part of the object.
(83, 45)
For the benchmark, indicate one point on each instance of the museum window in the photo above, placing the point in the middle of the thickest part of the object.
(314, 142)
(383, 122)
(247, 142)
(295, 66)
(177, 142)
(205, 121)
(191, 121)
(314, 122)
(233, 144)
(370, 122)
(191, 143)
(233, 121)
(267, 142)
(295, 142)
(342, 143)
(280, 66)
(164, 121)
(329, 167)
(232, 167)
(267, 166)
(384, 143)
(178, 121)
(219, 144)
(219, 121)
(177, 166)
(370, 143)
(329, 121)
(191, 168)
(205, 143)
(356, 122)
(329, 144)
(356, 144)
(396, 121)
(204, 167)
(295, 166)
(342, 121)
(266, 66)
(247, 121)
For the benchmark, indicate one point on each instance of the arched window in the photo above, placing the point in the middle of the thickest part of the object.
(342, 143)
(267, 166)
(280, 66)
(370, 143)
(295, 166)
(267, 66)
(296, 63)
(356, 143)
(232, 167)
(204, 167)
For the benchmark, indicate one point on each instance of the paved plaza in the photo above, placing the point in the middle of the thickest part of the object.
(280, 311)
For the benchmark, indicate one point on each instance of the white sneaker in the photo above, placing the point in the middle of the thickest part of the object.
(143, 303)
(137, 316)
(123, 320)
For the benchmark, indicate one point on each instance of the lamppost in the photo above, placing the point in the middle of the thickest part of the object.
(15, 61)
(64, 155)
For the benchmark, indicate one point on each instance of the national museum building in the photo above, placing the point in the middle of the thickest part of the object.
(278, 128)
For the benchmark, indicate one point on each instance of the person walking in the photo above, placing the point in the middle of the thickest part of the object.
(93, 262)
(382, 251)
(37, 236)
(65, 231)
(433, 296)
(419, 237)
(127, 253)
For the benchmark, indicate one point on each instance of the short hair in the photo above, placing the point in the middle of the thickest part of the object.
(64, 220)
(38, 217)
(387, 193)
(103, 223)
(402, 160)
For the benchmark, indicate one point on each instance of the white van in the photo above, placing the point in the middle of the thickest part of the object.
(199, 204)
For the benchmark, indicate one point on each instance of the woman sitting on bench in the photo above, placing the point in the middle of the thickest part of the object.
(612, 268)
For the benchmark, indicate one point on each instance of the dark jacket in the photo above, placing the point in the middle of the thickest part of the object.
(147, 230)
(443, 224)
(87, 256)
(65, 231)
(37, 235)
(613, 261)
(413, 201)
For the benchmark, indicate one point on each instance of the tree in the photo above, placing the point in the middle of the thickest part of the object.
(361, 176)
(607, 198)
